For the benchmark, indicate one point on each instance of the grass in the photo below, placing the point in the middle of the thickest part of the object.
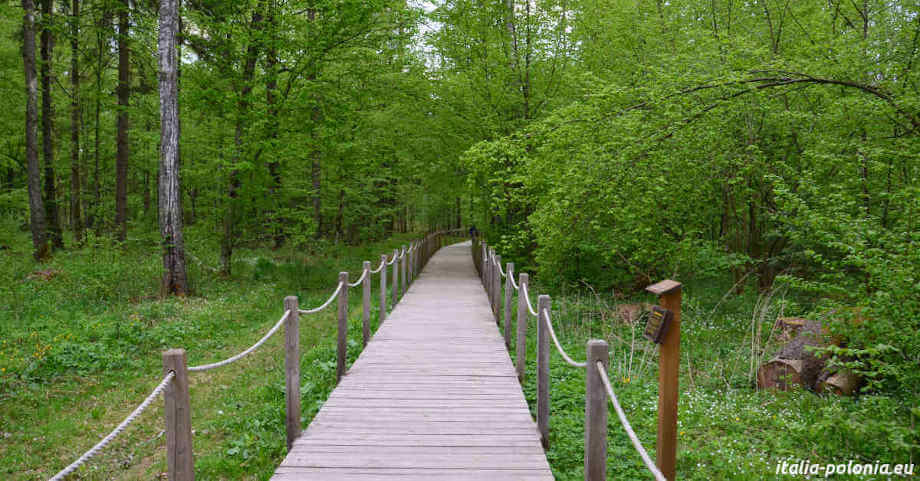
(727, 428)
(82, 336)
(81, 347)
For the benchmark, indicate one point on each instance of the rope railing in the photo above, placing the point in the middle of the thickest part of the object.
(118, 429)
(597, 383)
(232, 359)
(605, 379)
(335, 294)
(383, 263)
(552, 334)
(360, 279)
(533, 312)
(177, 405)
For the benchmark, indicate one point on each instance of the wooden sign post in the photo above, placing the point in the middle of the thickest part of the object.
(669, 294)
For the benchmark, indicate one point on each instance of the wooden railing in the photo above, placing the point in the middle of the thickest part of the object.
(407, 262)
(598, 389)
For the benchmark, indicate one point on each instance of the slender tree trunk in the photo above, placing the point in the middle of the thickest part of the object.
(47, 52)
(75, 122)
(36, 205)
(175, 279)
(340, 217)
(243, 106)
(271, 90)
(315, 152)
(92, 214)
(122, 141)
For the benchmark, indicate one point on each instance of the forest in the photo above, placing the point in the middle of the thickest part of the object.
(170, 170)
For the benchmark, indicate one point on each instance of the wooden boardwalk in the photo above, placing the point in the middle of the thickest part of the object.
(433, 396)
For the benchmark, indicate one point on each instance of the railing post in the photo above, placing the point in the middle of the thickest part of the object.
(342, 345)
(382, 315)
(543, 306)
(670, 293)
(178, 413)
(403, 274)
(497, 289)
(410, 266)
(485, 269)
(292, 370)
(394, 291)
(509, 289)
(520, 346)
(595, 412)
(366, 304)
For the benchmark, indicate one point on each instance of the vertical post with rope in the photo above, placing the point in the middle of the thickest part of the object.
(366, 303)
(178, 413)
(520, 345)
(402, 266)
(382, 315)
(509, 289)
(543, 305)
(497, 289)
(395, 289)
(292, 370)
(485, 270)
(669, 293)
(410, 266)
(595, 412)
(342, 344)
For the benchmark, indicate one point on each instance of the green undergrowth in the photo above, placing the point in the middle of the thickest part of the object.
(727, 428)
(82, 336)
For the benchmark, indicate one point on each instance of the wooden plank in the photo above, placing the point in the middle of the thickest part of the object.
(434, 395)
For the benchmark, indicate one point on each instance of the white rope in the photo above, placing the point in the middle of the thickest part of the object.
(118, 429)
(213, 365)
(328, 301)
(514, 284)
(500, 271)
(552, 334)
(383, 262)
(629, 430)
(395, 256)
(527, 298)
(360, 279)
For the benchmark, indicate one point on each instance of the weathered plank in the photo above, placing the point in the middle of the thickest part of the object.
(433, 396)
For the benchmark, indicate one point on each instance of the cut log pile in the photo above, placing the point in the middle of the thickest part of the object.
(796, 365)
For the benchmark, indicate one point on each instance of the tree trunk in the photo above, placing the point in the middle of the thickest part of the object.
(122, 141)
(243, 104)
(47, 53)
(340, 217)
(271, 89)
(75, 123)
(315, 153)
(175, 279)
(36, 206)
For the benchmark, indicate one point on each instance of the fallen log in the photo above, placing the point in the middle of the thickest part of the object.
(795, 365)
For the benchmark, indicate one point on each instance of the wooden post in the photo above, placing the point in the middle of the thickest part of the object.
(410, 266)
(485, 270)
(395, 289)
(342, 345)
(402, 267)
(520, 346)
(366, 304)
(595, 412)
(543, 305)
(669, 293)
(292, 370)
(509, 289)
(382, 315)
(178, 413)
(497, 289)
